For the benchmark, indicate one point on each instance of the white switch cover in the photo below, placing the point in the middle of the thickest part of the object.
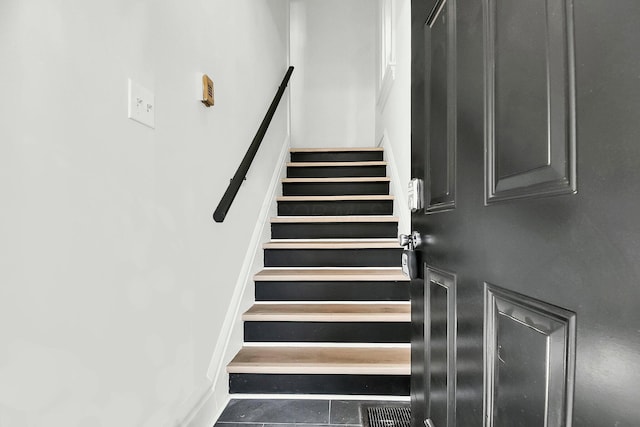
(142, 105)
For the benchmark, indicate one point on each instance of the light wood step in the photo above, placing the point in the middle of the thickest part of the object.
(331, 198)
(321, 360)
(335, 244)
(329, 219)
(333, 150)
(329, 313)
(334, 164)
(331, 275)
(333, 180)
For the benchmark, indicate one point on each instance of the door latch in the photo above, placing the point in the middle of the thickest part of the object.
(409, 259)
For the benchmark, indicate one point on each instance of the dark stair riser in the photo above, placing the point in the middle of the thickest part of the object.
(334, 230)
(338, 156)
(387, 257)
(336, 171)
(332, 291)
(347, 332)
(335, 188)
(335, 208)
(380, 385)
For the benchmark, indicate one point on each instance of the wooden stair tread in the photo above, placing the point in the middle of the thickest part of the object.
(355, 244)
(334, 149)
(331, 198)
(336, 180)
(332, 219)
(372, 312)
(335, 164)
(321, 360)
(331, 275)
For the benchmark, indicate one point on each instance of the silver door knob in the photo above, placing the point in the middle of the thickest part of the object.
(410, 241)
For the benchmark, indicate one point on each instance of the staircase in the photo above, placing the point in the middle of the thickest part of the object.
(332, 313)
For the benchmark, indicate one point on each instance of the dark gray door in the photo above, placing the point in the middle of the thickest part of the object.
(526, 131)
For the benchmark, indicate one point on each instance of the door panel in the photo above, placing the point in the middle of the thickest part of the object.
(440, 339)
(419, 379)
(529, 361)
(520, 85)
(530, 120)
(566, 262)
(439, 42)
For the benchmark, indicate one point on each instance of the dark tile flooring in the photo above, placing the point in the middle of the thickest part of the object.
(294, 412)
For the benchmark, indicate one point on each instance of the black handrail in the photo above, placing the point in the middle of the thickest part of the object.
(225, 203)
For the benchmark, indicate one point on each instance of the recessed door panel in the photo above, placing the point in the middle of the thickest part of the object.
(439, 43)
(438, 153)
(440, 336)
(529, 361)
(521, 121)
(529, 99)
(520, 374)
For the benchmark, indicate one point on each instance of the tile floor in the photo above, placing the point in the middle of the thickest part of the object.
(290, 412)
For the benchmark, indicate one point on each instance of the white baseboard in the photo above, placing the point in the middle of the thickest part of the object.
(206, 414)
(252, 262)
(219, 409)
(196, 405)
(400, 204)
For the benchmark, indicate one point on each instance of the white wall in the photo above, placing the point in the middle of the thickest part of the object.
(333, 48)
(114, 280)
(393, 110)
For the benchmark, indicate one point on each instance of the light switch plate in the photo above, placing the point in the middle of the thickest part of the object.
(142, 105)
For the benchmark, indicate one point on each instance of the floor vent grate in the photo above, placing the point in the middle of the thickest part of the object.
(386, 416)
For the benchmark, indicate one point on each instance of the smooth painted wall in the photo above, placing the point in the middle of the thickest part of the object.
(333, 46)
(114, 279)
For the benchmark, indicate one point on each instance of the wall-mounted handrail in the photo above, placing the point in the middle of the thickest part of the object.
(227, 199)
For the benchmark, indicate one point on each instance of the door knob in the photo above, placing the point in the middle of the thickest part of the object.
(410, 241)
